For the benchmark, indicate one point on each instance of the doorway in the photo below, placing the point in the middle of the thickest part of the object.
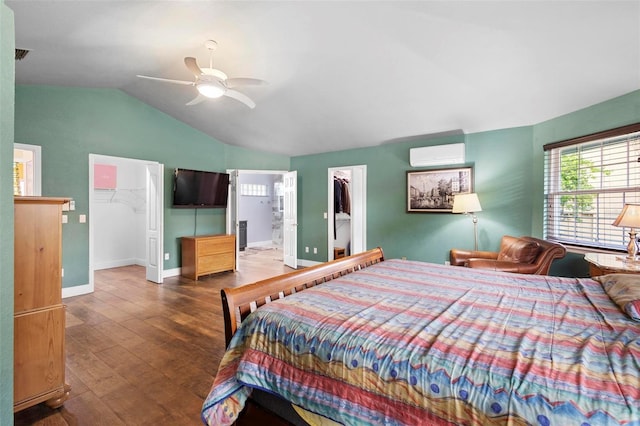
(258, 213)
(27, 170)
(126, 200)
(346, 221)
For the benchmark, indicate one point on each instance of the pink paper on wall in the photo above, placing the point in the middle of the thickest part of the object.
(104, 176)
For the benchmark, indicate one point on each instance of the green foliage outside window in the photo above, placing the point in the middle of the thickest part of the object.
(577, 173)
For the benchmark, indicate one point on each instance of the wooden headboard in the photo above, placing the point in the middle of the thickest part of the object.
(239, 302)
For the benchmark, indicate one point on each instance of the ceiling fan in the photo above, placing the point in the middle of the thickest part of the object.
(211, 82)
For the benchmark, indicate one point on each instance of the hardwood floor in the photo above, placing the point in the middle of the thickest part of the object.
(140, 353)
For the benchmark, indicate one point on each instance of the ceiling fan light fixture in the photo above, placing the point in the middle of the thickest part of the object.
(214, 73)
(210, 90)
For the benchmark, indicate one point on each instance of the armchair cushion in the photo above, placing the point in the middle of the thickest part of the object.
(518, 250)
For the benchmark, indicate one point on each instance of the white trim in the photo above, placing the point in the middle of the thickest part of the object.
(307, 263)
(77, 290)
(260, 243)
(37, 165)
(118, 263)
(175, 272)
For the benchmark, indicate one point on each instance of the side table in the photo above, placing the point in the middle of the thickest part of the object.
(603, 264)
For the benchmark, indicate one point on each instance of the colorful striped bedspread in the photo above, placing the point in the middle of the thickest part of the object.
(412, 343)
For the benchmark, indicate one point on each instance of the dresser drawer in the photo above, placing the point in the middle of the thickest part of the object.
(215, 246)
(215, 263)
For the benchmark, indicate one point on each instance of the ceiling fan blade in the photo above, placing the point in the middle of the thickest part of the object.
(235, 82)
(166, 80)
(240, 97)
(192, 64)
(197, 100)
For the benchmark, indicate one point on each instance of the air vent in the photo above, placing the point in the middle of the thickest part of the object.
(21, 53)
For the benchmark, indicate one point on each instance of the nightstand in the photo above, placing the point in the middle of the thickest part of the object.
(603, 264)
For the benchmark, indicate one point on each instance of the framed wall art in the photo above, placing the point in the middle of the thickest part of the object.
(432, 191)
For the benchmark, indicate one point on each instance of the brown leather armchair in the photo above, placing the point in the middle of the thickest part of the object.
(524, 255)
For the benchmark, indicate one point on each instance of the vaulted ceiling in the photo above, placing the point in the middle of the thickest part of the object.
(341, 74)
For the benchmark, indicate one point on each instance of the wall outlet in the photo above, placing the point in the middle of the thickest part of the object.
(306, 249)
(83, 218)
(404, 257)
(315, 250)
(166, 256)
(65, 218)
(446, 262)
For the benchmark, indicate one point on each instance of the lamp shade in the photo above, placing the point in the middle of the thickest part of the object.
(629, 216)
(466, 203)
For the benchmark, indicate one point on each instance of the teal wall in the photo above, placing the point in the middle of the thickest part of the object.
(71, 123)
(423, 236)
(614, 113)
(508, 168)
(7, 45)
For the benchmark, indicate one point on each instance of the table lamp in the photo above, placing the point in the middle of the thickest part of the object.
(630, 217)
(468, 204)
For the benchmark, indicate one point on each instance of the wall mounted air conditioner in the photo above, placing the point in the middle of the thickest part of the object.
(437, 155)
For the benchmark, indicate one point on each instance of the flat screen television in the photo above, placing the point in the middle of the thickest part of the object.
(200, 189)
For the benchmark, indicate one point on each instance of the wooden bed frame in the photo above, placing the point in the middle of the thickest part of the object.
(239, 302)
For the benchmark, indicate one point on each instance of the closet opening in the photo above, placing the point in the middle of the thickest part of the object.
(347, 211)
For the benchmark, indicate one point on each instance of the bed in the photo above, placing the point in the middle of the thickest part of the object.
(364, 340)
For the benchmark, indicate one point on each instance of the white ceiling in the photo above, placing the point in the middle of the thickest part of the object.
(342, 74)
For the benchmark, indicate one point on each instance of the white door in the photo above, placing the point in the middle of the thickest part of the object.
(155, 213)
(290, 233)
(233, 224)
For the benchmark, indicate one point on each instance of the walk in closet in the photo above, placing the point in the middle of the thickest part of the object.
(341, 213)
(346, 211)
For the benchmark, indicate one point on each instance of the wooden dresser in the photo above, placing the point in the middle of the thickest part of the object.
(39, 316)
(207, 255)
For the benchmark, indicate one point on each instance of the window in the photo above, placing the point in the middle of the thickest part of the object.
(587, 181)
(253, 190)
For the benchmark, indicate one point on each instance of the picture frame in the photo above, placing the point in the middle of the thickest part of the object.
(432, 191)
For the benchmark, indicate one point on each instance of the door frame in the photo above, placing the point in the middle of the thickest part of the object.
(159, 215)
(290, 223)
(232, 219)
(37, 165)
(358, 192)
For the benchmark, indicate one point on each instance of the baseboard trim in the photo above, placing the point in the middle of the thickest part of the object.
(307, 263)
(261, 243)
(168, 273)
(118, 263)
(76, 290)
